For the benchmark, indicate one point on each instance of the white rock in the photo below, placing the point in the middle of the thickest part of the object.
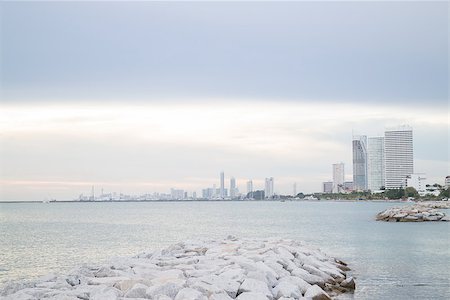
(137, 291)
(106, 293)
(302, 285)
(255, 286)
(169, 289)
(286, 289)
(221, 296)
(190, 294)
(252, 296)
(316, 293)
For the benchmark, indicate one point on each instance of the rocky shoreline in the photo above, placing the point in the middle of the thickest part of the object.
(419, 212)
(244, 269)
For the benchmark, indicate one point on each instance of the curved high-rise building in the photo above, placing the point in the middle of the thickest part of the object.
(359, 145)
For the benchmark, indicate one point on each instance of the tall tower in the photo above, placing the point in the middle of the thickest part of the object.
(232, 187)
(250, 188)
(375, 163)
(268, 189)
(359, 144)
(399, 156)
(338, 177)
(222, 185)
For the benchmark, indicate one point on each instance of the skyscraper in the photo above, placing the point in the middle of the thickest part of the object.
(222, 185)
(338, 177)
(268, 190)
(249, 186)
(375, 163)
(359, 145)
(232, 187)
(398, 153)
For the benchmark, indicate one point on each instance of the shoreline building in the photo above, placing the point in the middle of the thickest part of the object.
(359, 145)
(338, 177)
(222, 185)
(327, 187)
(250, 188)
(233, 190)
(268, 191)
(375, 163)
(399, 156)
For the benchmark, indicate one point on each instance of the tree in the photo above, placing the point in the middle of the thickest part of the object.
(411, 192)
(445, 193)
(395, 193)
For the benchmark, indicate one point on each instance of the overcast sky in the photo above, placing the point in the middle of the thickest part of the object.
(144, 96)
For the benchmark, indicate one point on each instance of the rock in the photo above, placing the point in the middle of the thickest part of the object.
(316, 293)
(221, 296)
(255, 286)
(107, 293)
(169, 289)
(286, 289)
(302, 285)
(251, 296)
(203, 270)
(189, 294)
(137, 291)
(349, 283)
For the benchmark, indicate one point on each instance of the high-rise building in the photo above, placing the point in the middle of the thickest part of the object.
(398, 155)
(338, 177)
(294, 189)
(447, 182)
(249, 186)
(232, 187)
(327, 187)
(222, 185)
(359, 145)
(268, 190)
(375, 163)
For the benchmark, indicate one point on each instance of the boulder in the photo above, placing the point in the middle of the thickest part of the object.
(316, 293)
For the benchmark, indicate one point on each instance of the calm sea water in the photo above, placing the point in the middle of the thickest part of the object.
(389, 260)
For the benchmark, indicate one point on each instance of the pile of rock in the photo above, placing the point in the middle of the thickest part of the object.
(412, 213)
(244, 269)
(435, 204)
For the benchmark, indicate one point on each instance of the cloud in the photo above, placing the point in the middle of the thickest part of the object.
(163, 146)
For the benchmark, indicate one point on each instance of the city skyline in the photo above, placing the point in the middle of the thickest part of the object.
(156, 95)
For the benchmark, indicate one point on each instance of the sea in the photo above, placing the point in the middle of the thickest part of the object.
(388, 260)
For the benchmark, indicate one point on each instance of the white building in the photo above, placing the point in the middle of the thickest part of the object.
(222, 185)
(268, 190)
(249, 186)
(359, 145)
(399, 159)
(338, 177)
(447, 182)
(327, 187)
(417, 181)
(233, 189)
(375, 163)
(177, 194)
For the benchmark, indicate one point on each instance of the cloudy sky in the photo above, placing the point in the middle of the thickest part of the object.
(145, 96)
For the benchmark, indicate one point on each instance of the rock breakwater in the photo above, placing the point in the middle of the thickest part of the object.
(420, 212)
(201, 270)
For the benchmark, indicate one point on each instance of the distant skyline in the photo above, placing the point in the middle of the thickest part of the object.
(145, 96)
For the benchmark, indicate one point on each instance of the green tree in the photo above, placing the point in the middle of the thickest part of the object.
(395, 193)
(445, 193)
(411, 192)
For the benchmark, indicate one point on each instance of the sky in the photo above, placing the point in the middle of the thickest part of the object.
(145, 96)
